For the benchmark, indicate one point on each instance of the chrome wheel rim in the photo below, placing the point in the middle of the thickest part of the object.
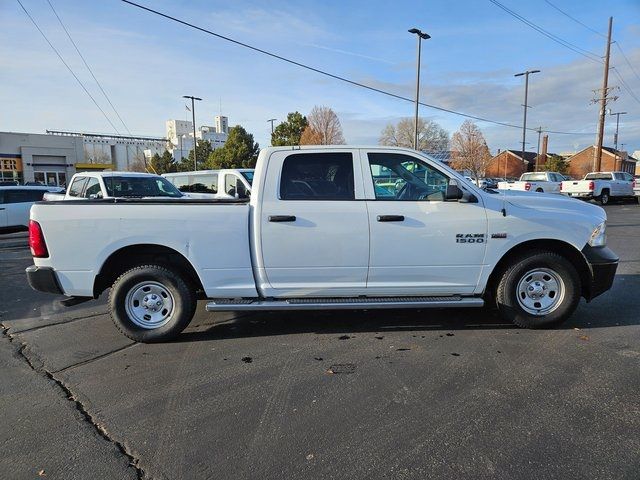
(149, 305)
(540, 291)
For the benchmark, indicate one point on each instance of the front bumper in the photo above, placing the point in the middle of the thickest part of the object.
(43, 279)
(603, 263)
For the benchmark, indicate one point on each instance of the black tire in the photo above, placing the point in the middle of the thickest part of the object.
(506, 294)
(175, 290)
(539, 190)
(604, 197)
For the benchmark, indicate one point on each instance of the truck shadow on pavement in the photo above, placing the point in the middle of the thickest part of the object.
(613, 309)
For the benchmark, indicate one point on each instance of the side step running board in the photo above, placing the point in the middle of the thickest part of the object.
(356, 303)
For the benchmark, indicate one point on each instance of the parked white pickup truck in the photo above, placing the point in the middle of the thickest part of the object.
(542, 182)
(601, 186)
(96, 185)
(333, 227)
(225, 183)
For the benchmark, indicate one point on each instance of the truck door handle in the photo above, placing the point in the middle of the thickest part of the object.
(282, 218)
(2, 208)
(391, 218)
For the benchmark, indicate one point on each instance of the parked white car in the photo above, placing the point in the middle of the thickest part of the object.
(15, 202)
(541, 182)
(601, 186)
(322, 232)
(225, 183)
(99, 185)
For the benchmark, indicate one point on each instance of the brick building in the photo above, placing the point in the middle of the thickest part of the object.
(612, 161)
(511, 164)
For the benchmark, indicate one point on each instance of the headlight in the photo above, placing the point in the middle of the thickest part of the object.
(598, 236)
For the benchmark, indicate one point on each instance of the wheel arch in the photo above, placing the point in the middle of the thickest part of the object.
(131, 256)
(560, 247)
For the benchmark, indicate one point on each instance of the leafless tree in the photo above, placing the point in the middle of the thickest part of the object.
(469, 150)
(431, 136)
(324, 128)
(138, 163)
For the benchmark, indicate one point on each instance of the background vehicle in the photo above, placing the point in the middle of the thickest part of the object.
(542, 182)
(601, 186)
(96, 185)
(320, 232)
(15, 202)
(226, 183)
(636, 187)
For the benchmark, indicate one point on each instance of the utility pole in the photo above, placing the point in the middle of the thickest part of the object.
(195, 142)
(526, 95)
(597, 158)
(538, 150)
(615, 135)
(421, 36)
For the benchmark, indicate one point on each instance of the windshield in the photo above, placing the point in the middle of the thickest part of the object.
(248, 176)
(533, 177)
(120, 186)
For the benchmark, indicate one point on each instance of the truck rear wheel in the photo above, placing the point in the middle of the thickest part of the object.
(151, 303)
(538, 290)
(604, 197)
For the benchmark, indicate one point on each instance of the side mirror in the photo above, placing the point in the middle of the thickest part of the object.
(453, 192)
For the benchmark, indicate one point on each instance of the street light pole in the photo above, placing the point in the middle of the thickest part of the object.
(271, 120)
(421, 36)
(195, 142)
(526, 95)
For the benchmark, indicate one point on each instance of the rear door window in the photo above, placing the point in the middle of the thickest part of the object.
(317, 176)
(23, 196)
(92, 188)
(75, 190)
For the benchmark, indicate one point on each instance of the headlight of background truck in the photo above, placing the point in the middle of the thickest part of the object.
(598, 236)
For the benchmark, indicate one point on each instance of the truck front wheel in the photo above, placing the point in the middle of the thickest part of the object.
(151, 303)
(538, 290)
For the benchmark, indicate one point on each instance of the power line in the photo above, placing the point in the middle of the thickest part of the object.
(88, 67)
(331, 75)
(68, 67)
(581, 51)
(624, 84)
(575, 19)
(627, 60)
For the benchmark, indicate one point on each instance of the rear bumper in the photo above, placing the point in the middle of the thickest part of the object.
(603, 263)
(578, 194)
(43, 279)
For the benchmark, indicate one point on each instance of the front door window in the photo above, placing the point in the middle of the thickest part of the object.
(400, 177)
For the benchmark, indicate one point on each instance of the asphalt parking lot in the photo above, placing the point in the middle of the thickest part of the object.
(392, 394)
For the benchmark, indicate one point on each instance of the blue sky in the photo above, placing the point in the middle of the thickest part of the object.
(147, 63)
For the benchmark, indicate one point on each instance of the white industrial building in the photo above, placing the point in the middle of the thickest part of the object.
(180, 135)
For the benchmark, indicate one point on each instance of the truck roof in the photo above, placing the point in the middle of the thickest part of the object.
(117, 174)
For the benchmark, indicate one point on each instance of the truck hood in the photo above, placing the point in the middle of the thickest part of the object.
(552, 203)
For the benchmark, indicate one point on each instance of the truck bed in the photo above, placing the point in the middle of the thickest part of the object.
(212, 234)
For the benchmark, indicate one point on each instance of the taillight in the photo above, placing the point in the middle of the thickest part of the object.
(527, 186)
(36, 240)
(592, 185)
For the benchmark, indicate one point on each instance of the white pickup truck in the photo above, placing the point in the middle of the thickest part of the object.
(97, 185)
(601, 186)
(333, 227)
(542, 182)
(225, 183)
